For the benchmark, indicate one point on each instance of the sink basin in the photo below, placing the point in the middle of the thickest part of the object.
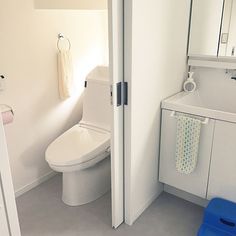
(209, 106)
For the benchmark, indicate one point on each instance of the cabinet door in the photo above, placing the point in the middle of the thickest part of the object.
(4, 231)
(205, 27)
(222, 181)
(196, 182)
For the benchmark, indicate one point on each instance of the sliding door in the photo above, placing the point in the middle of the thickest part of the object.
(156, 36)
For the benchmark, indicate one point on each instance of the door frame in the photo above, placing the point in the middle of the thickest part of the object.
(116, 68)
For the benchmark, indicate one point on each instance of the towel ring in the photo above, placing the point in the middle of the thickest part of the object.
(62, 37)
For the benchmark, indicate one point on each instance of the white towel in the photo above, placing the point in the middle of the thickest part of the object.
(187, 143)
(65, 74)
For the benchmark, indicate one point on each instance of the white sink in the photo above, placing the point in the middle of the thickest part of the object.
(210, 105)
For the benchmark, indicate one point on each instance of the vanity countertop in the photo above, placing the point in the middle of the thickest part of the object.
(201, 105)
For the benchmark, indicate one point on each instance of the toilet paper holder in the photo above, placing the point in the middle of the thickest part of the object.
(7, 113)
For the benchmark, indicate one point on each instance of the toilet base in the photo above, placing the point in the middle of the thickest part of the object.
(84, 186)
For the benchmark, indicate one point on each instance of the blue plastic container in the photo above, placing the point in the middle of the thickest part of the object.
(219, 219)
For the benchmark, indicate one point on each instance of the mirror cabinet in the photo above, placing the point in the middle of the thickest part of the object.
(213, 29)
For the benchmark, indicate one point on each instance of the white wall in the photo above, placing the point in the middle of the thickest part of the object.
(155, 67)
(28, 40)
(71, 4)
(216, 87)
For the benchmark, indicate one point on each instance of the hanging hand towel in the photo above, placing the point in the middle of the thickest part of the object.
(65, 74)
(187, 143)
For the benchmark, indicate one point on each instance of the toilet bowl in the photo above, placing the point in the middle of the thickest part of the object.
(82, 153)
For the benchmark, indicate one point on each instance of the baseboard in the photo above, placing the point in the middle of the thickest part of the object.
(186, 196)
(34, 184)
(143, 208)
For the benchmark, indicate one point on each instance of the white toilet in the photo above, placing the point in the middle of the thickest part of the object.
(82, 153)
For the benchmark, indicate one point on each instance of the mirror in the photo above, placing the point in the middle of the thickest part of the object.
(213, 29)
(205, 27)
(228, 33)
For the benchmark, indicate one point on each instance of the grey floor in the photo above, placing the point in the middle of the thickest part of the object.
(42, 213)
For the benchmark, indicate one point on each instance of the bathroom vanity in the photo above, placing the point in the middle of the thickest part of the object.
(9, 225)
(215, 173)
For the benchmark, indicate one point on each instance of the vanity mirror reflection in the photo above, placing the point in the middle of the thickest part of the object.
(228, 33)
(213, 29)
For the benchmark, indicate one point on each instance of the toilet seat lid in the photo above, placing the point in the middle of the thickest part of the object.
(77, 145)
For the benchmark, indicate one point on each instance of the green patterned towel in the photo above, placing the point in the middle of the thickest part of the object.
(187, 143)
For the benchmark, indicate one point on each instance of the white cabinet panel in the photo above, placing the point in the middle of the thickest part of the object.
(222, 181)
(205, 27)
(4, 231)
(196, 182)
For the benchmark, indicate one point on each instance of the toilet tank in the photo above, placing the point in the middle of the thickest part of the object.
(96, 103)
